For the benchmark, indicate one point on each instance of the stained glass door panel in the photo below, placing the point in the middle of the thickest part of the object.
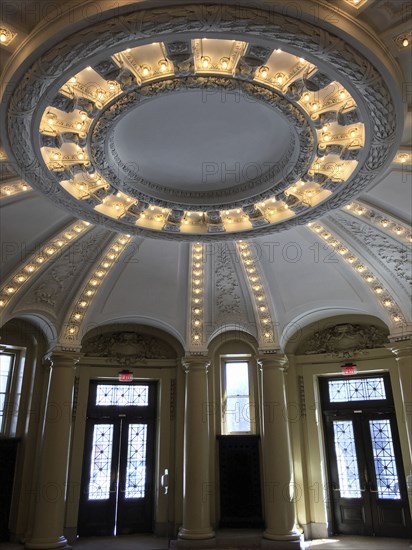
(117, 481)
(367, 488)
(350, 502)
(390, 509)
(136, 478)
(346, 459)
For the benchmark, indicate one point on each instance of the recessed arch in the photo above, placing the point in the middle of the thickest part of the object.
(294, 343)
(139, 329)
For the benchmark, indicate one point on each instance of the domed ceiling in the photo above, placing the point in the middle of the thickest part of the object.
(200, 167)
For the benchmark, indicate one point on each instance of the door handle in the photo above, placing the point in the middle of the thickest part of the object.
(164, 481)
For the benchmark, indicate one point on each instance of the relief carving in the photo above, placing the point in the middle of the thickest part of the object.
(127, 347)
(345, 340)
(228, 294)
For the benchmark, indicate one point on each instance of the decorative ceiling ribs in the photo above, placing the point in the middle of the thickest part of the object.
(265, 322)
(196, 328)
(37, 261)
(366, 272)
(110, 257)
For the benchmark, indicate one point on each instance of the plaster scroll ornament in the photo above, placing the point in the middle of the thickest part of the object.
(127, 347)
(345, 340)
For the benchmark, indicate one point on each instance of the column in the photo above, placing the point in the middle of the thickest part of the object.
(277, 457)
(196, 478)
(403, 353)
(52, 476)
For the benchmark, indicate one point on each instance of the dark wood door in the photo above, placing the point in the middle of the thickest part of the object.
(8, 454)
(118, 466)
(239, 473)
(367, 483)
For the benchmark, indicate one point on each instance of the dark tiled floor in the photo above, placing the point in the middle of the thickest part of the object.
(148, 542)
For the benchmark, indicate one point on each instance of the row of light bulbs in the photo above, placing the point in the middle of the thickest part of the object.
(259, 296)
(78, 312)
(376, 286)
(41, 258)
(12, 189)
(196, 298)
(385, 222)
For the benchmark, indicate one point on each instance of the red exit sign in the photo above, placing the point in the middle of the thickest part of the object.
(125, 376)
(349, 369)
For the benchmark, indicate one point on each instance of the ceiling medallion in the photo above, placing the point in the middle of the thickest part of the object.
(202, 138)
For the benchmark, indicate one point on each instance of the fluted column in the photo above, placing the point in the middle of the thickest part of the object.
(403, 353)
(196, 477)
(52, 477)
(277, 457)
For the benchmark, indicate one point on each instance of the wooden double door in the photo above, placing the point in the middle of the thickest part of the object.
(118, 464)
(367, 483)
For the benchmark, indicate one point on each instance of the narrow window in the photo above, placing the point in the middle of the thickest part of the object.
(6, 371)
(237, 417)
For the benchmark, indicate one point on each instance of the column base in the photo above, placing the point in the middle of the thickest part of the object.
(47, 544)
(294, 544)
(277, 541)
(195, 534)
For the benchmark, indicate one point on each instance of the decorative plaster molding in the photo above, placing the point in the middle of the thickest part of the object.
(227, 293)
(345, 340)
(14, 189)
(30, 267)
(265, 322)
(396, 316)
(282, 172)
(384, 222)
(127, 348)
(72, 327)
(393, 257)
(369, 88)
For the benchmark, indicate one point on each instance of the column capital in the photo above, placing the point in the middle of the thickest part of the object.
(401, 349)
(273, 361)
(195, 363)
(63, 359)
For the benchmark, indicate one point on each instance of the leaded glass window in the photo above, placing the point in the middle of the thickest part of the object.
(136, 461)
(384, 459)
(346, 458)
(122, 396)
(358, 389)
(101, 463)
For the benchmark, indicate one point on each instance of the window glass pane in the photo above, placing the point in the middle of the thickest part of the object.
(236, 406)
(237, 414)
(346, 459)
(122, 395)
(136, 461)
(384, 459)
(364, 389)
(237, 378)
(6, 363)
(101, 463)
